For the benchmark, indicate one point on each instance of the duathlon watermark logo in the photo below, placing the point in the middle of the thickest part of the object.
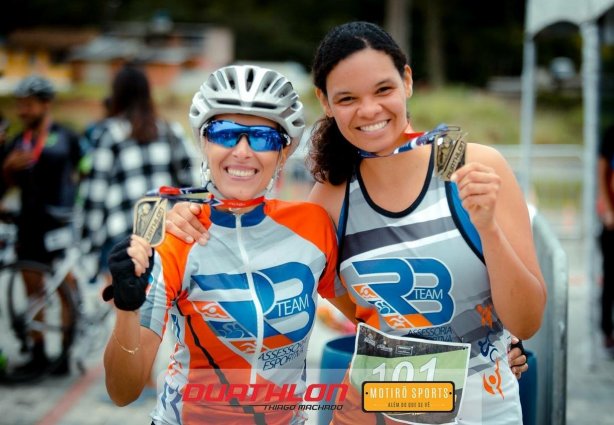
(268, 396)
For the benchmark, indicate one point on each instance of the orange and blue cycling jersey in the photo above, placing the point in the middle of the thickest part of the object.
(242, 309)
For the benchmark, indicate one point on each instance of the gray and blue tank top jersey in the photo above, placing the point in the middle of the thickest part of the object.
(420, 272)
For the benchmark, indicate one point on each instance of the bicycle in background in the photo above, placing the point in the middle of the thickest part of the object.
(68, 311)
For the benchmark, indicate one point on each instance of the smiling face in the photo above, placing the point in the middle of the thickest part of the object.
(367, 97)
(239, 172)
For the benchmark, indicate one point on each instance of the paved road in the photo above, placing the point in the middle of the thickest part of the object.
(82, 400)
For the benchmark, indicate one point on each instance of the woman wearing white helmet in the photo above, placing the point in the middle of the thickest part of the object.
(242, 307)
(249, 90)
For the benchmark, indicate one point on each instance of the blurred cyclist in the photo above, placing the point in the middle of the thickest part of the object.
(43, 163)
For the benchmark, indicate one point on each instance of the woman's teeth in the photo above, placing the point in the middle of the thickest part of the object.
(240, 173)
(374, 127)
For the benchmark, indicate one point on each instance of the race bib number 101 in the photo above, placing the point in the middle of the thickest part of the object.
(409, 379)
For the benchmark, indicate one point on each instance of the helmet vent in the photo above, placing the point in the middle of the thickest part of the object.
(249, 79)
(286, 89)
(263, 105)
(276, 85)
(212, 83)
(267, 80)
(229, 102)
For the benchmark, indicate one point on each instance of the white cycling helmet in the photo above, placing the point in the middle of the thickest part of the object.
(251, 90)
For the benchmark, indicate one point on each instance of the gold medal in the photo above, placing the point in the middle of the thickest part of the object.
(150, 219)
(449, 155)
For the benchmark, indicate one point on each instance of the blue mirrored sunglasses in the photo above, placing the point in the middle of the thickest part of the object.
(260, 137)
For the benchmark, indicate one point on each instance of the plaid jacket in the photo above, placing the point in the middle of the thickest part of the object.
(124, 170)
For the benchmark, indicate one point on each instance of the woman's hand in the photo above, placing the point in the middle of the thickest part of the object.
(141, 252)
(130, 264)
(608, 219)
(182, 222)
(16, 161)
(517, 358)
(478, 187)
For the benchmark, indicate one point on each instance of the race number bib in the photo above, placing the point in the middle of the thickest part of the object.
(384, 358)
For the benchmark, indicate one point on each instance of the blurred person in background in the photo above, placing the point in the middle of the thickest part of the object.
(43, 162)
(134, 150)
(4, 127)
(93, 129)
(605, 210)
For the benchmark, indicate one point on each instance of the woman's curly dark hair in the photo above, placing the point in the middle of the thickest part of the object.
(332, 157)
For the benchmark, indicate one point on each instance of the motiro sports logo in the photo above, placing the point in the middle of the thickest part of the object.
(268, 393)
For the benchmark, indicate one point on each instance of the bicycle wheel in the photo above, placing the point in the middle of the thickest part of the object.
(41, 323)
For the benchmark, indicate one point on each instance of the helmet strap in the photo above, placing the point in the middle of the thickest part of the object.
(269, 187)
(205, 174)
(278, 168)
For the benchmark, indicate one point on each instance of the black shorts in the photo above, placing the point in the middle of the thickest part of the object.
(30, 244)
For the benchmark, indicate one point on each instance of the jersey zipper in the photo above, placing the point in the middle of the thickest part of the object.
(257, 304)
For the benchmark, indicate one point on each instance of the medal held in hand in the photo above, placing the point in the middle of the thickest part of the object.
(150, 219)
(449, 155)
(150, 211)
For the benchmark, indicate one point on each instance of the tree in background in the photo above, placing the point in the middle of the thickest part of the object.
(452, 40)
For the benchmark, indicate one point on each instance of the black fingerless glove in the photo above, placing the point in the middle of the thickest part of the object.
(127, 290)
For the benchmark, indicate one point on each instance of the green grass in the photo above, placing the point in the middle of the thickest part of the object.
(494, 120)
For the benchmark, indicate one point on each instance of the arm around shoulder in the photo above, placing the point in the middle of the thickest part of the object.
(345, 305)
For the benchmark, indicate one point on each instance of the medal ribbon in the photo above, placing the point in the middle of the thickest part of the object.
(415, 140)
(39, 144)
(201, 195)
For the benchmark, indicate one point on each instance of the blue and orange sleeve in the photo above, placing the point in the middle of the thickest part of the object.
(166, 283)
